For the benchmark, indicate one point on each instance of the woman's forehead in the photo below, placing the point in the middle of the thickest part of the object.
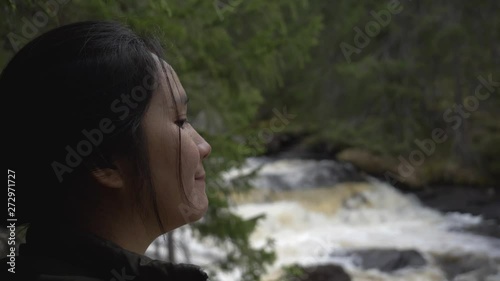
(170, 85)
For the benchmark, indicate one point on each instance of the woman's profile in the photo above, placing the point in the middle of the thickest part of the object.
(106, 159)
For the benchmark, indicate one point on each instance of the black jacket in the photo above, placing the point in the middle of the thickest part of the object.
(64, 255)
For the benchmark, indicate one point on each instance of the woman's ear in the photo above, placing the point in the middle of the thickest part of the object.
(109, 177)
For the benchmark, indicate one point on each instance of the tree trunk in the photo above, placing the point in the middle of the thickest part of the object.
(171, 248)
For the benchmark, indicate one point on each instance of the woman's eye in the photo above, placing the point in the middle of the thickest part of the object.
(181, 123)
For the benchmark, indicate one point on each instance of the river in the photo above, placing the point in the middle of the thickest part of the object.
(324, 212)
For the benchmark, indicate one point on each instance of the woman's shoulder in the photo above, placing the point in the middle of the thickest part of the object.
(82, 257)
(44, 268)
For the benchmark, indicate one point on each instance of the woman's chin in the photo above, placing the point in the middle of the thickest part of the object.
(202, 206)
(197, 206)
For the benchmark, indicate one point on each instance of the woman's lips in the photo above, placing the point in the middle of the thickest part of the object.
(200, 177)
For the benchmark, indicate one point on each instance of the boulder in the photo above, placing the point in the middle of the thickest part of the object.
(326, 272)
(386, 260)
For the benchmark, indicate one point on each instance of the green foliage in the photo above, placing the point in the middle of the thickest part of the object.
(425, 61)
(292, 272)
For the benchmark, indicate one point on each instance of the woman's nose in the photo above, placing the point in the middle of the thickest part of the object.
(204, 148)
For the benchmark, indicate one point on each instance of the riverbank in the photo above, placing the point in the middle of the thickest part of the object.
(478, 201)
(413, 169)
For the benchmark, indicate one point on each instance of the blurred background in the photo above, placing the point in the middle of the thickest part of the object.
(351, 140)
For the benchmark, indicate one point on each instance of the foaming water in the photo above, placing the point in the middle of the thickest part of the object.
(376, 217)
(293, 174)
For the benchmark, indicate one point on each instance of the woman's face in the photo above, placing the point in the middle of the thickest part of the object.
(171, 139)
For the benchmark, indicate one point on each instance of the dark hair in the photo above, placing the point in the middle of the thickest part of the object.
(59, 88)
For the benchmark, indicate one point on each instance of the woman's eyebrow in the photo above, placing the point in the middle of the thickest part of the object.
(183, 100)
